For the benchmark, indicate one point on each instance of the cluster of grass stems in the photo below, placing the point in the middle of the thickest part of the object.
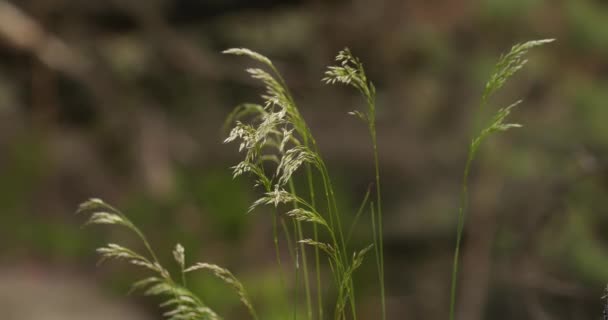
(280, 153)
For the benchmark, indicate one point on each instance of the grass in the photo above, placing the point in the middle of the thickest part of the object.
(280, 152)
(505, 68)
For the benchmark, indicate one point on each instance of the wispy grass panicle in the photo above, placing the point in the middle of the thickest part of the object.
(250, 53)
(507, 65)
(227, 276)
(178, 301)
(292, 160)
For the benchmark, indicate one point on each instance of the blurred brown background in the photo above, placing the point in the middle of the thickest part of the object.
(125, 101)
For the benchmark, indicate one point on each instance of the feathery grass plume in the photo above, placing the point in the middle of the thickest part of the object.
(252, 54)
(507, 65)
(276, 135)
(350, 71)
(279, 137)
(292, 160)
(178, 300)
(230, 279)
(275, 197)
(306, 215)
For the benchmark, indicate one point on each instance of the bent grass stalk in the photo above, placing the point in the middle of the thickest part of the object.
(180, 302)
(279, 131)
(506, 67)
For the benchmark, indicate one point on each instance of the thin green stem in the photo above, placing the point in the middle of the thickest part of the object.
(318, 272)
(288, 238)
(305, 268)
(300, 236)
(334, 208)
(297, 280)
(376, 236)
(315, 231)
(145, 241)
(460, 228)
(294, 258)
(183, 277)
(275, 233)
(380, 226)
(341, 246)
(358, 215)
(352, 298)
(135, 229)
(277, 250)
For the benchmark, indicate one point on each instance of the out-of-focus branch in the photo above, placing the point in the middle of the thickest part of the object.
(24, 33)
(178, 51)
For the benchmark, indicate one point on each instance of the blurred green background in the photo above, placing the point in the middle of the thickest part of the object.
(125, 101)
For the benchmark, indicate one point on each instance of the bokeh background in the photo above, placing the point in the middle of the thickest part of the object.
(125, 101)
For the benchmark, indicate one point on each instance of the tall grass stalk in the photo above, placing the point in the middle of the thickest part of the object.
(350, 71)
(507, 65)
